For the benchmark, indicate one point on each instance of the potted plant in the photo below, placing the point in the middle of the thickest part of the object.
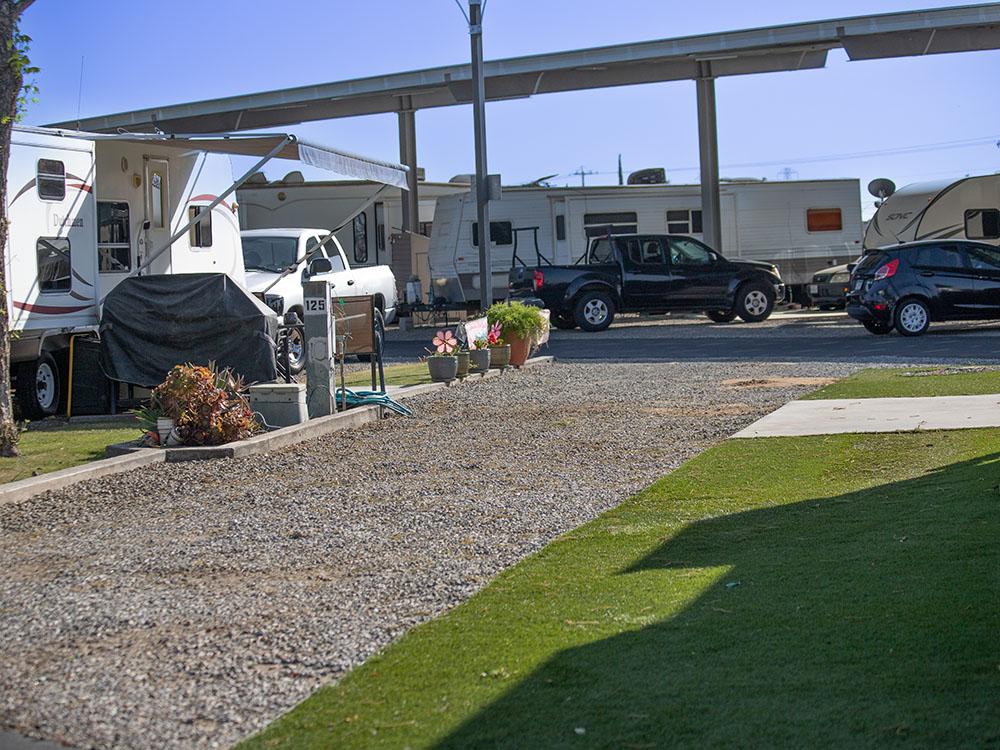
(521, 326)
(442, 364)
(462, 354)
(499, 349)
(479, 354)
(206, 406)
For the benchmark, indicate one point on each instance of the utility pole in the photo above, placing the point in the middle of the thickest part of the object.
(583, 175)
(621, 174)
(479, 125)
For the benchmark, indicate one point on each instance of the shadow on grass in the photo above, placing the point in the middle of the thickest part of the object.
(870, 618)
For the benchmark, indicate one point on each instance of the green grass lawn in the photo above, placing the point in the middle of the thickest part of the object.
(415, 374)
(46, 450)
(913, 381)
(833, 591)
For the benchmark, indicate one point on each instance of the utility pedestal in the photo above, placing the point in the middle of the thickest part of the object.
(320, 335)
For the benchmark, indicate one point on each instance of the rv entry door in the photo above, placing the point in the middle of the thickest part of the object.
(156, 224)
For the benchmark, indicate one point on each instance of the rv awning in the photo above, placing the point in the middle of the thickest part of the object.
(331, 159)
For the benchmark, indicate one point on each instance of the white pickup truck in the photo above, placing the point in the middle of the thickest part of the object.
(267, 253)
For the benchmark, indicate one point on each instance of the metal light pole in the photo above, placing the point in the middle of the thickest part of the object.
(479, 125)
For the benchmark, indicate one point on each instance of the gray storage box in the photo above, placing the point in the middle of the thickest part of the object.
(280, 404)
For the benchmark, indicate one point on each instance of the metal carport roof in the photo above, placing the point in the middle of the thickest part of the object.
(776, 48)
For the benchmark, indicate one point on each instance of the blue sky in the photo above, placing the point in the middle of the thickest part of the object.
(853, 115)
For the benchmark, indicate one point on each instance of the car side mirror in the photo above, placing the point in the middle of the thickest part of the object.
(319, 265)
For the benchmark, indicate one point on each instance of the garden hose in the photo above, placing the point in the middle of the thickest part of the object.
(371, 398)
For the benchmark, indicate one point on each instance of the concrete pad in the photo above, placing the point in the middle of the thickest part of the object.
(836, 416)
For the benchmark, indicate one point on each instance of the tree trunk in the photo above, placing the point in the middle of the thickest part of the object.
(11, 83)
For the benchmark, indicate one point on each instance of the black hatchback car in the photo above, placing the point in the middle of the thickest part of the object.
(908, 286)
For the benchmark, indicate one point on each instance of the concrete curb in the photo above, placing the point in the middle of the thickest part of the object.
(125, 456)
(57, 480)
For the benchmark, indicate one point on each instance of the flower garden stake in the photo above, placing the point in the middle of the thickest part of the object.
(442, 364)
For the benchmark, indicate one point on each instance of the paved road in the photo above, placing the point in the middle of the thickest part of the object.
(786, 337)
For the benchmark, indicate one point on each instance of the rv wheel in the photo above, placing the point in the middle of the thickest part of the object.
(38, 387)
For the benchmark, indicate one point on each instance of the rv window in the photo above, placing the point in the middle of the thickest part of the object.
(824, 220)
(51, 180)
(560, 227)
(684, 221)
(621, 222)
(425, 228)
(54, 266)
(379, 229)
(501, 233)
(114, 246)
(361, 238)
(201, 233)
(157, 192)
(982, 223)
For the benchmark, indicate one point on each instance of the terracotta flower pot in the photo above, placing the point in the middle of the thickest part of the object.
(463, 364)
(480, 359)
(499, 356)
(442, 369)
(520, 348)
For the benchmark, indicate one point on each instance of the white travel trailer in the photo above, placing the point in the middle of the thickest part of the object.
(294, 202)
(88, 210)
(84, 213)
(800, 226)
(966, 209)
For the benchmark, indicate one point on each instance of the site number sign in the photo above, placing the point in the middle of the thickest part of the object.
(315, 305)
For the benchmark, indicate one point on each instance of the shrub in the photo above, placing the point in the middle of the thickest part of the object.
(517, 320)
(206, 405)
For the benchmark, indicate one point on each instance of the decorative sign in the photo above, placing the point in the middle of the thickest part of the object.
(475, 329)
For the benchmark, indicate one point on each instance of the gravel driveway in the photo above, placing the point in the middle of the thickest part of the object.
(186, 605)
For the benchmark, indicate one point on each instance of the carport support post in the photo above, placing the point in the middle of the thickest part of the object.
(479, 126)
(708, 151)
(320, 335)
(408, 156)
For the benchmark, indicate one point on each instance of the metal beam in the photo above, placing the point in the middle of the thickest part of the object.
(408, 157)
(479, 128)
(776, 48)
(708, 151)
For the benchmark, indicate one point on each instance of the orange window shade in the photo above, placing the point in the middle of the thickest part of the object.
(824, 220)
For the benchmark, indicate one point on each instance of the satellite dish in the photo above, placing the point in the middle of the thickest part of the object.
(882, 188)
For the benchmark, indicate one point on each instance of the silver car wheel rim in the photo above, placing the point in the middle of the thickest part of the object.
(755, 302)
(45, 386)
(913, 317)
(595, 311)
(295, 348)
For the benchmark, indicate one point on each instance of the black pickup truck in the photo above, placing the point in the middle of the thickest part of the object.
(652, 274)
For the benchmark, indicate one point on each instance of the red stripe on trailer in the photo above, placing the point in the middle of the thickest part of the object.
(49, 309)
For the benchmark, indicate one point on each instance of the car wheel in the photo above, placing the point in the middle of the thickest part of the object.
(563, 322)
(594, 311)
(38, 387)
(721, 316)
(912, 317)
(877, 327)
(754, 302)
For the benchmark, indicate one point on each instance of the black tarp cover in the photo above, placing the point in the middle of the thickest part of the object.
(151, 323)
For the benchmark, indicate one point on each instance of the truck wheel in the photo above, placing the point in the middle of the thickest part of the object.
(38, 387)
(594, 311)
(721, 316)
(754, 302)
(563, 322)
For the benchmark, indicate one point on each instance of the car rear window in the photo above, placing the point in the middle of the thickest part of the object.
(870, 262)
